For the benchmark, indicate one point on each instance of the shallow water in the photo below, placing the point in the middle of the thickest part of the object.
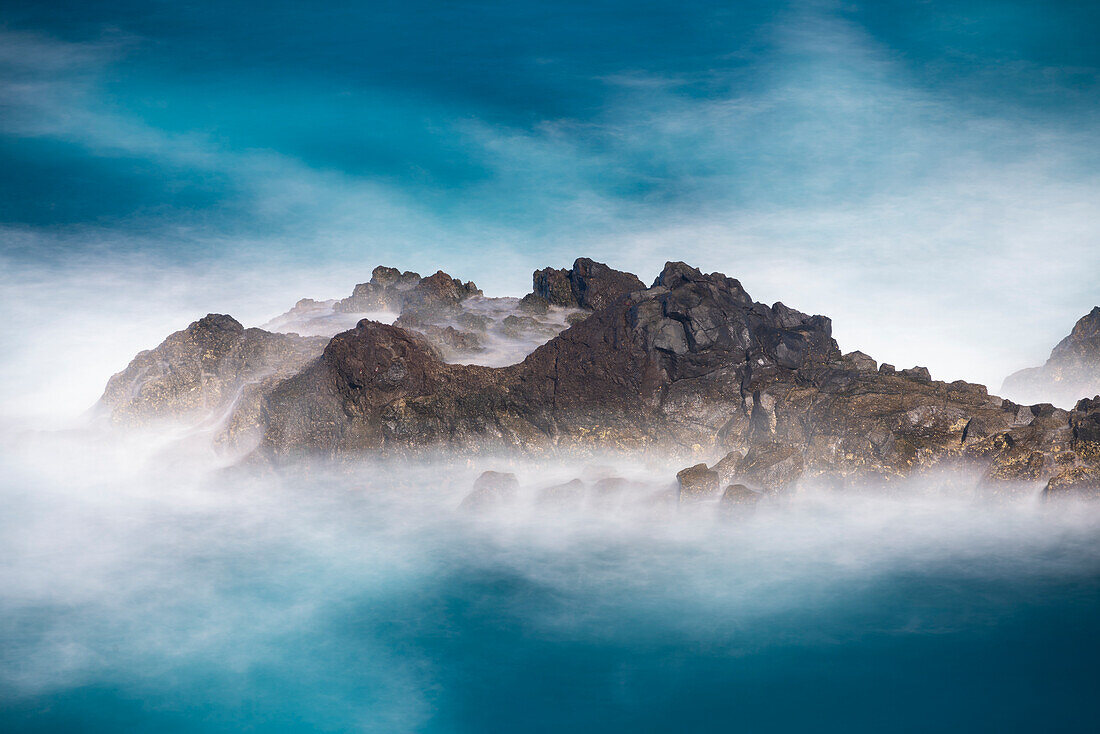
(143, 592)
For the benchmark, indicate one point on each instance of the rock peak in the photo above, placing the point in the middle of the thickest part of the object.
(217, 322)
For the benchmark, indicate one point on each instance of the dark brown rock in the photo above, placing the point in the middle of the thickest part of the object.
(771, 465)
(534, 304)
(438, 293)
(394, 291)
(589, 284)
(691, 366)
(697, 482)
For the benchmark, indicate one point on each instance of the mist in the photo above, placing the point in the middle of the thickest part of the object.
(923, 174)
(150, 579)
(362, 597)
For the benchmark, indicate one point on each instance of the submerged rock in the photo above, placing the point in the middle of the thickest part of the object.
(571, 493)
(492, 489)
(697, 482)
(738, 495)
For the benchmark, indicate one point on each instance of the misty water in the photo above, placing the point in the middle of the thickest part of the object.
(146, 586)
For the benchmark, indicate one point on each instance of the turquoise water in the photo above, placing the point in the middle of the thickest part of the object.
(362, 601)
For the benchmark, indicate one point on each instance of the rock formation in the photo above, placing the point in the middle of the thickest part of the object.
(454, 316)
(589, 285)
(690, 366)
(213, 367)
(1071, 373)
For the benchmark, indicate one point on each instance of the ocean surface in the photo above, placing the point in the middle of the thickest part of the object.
(144, 591)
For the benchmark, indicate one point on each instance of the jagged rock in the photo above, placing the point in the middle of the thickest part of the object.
(861, 361)
(437, 307)
(203, 371)
(392, 290)
(491, 489)
(438, 293)
(1077, 470)
(554, 286)
(451, 342)
(1085, 422)
(589, 284)
(690, 365)
(920, 374)
(1072, 371)
(534, 303)
(727, 466)
(770, 465)
(384, 292)
(1080, 481)
(605, 381)
(697, 482)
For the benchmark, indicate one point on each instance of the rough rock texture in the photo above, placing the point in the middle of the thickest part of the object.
(392, 290)
(204, 371)
(453, 315)
(692, 366)
(697, 482)
(1071, 373)
(1080, 467)
(384, 292)
(589, 284)
(665, 366)
(439, 293)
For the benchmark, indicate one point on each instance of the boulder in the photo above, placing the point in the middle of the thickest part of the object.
(569, 493)
(438, 293)
(697, 482)
(384, 291)
(738, 495)
(589, 284)
(492, 489)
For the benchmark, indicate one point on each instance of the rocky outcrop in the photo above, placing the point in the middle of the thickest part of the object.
(1072, 372)
(454, 316)
(395, 291)
(384, 292)
(589, 285)
(213, 367)
(1079, 467)
(697, 482)
(690, 366)
(663, 366)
